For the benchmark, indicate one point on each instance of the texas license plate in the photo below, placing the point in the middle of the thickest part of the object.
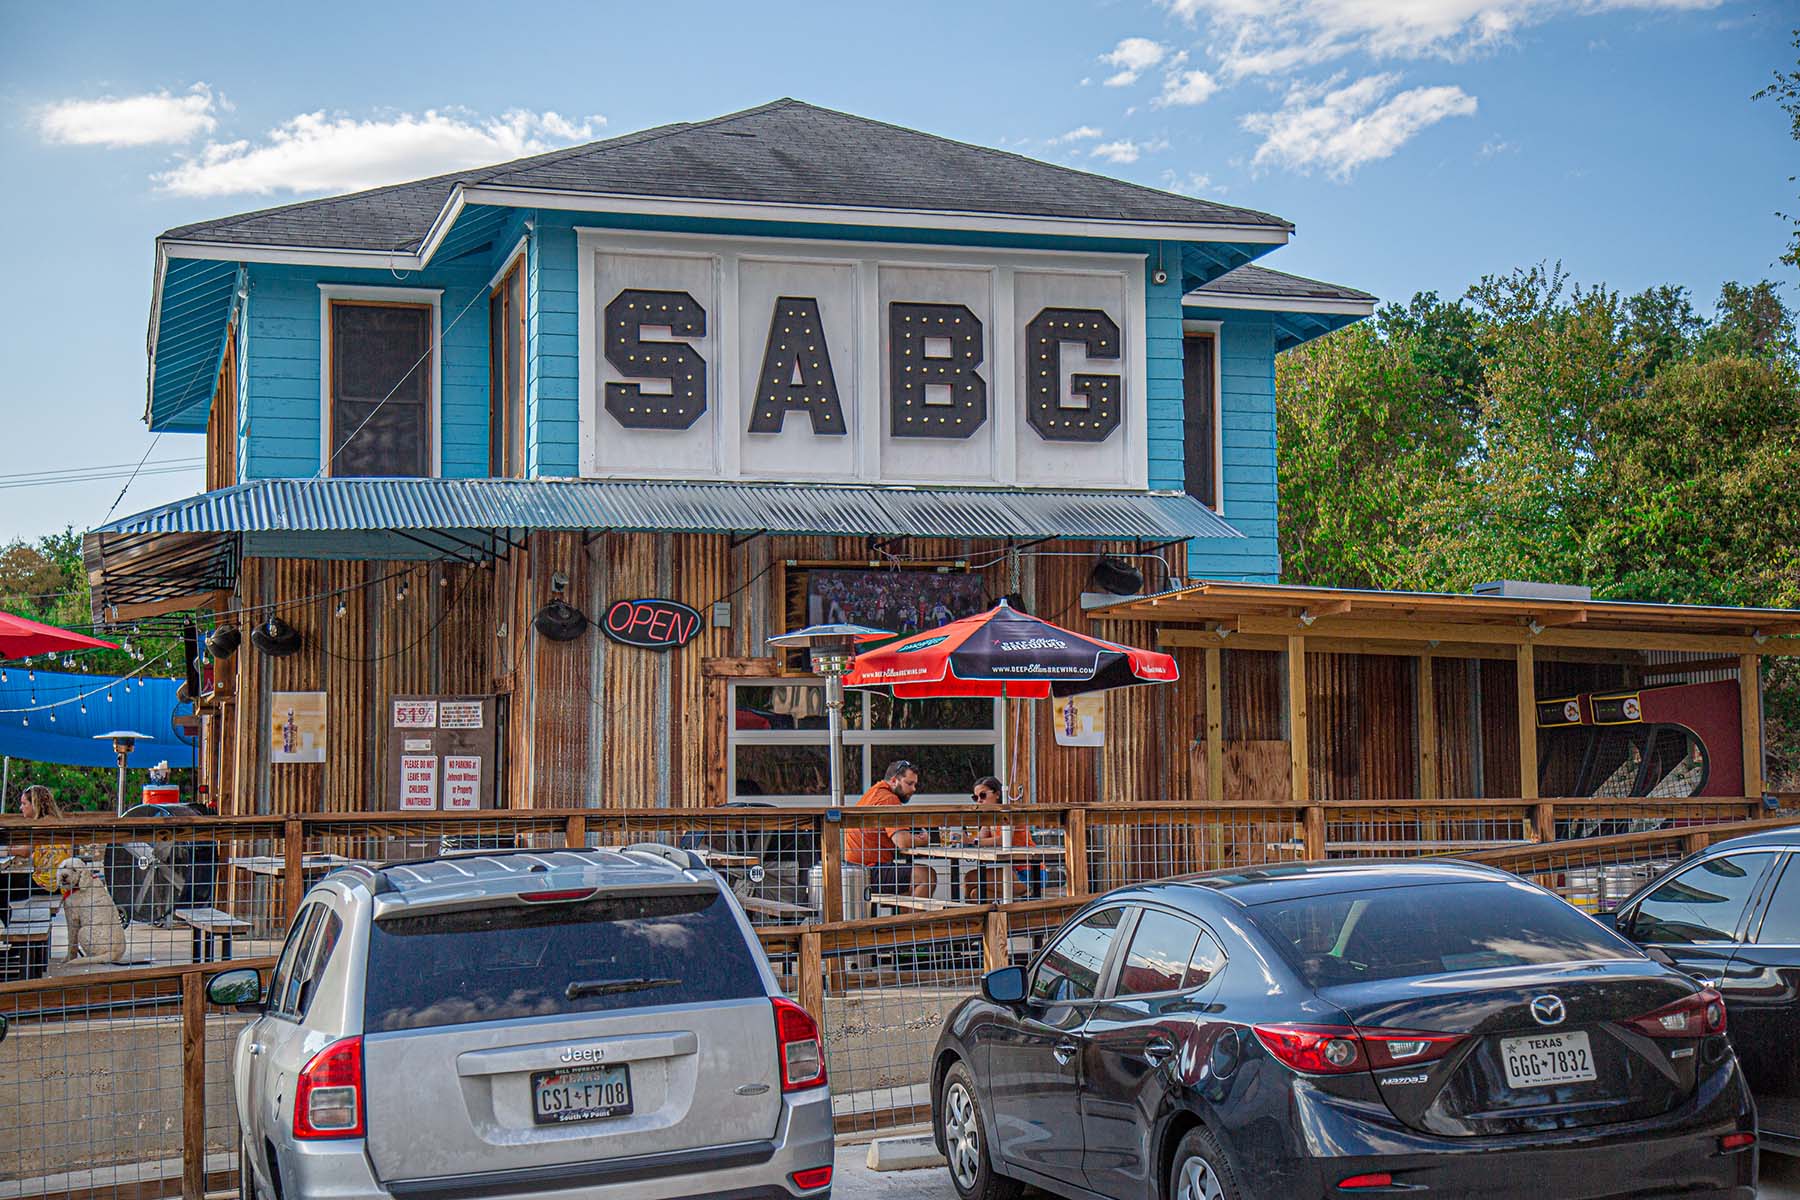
(584, 1094)
(1545, 1059)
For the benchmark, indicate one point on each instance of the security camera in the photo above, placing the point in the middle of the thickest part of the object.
(1159, 276)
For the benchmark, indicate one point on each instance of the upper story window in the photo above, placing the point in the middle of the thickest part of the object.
(380, 381)
(506, 374)
(1200, 411)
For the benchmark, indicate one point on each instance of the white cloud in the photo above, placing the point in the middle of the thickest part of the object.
(1132, 56)
(1186, 87)
(1194, 184)
(314, 152)
(1342, 128)
(155, 118)
(1273, 37)
(1081, 133)
(1121, 151)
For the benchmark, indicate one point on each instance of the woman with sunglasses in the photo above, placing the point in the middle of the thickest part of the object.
(988, 793)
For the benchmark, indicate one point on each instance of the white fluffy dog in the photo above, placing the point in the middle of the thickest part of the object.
(95, 934)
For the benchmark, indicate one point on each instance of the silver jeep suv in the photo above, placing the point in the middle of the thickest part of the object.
(597, 1023)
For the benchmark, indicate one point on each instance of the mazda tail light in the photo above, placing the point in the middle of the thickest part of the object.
(1315, 1049)
(1694, 1016)
(1343, 1049)
(802, 1053)
(328, 1095)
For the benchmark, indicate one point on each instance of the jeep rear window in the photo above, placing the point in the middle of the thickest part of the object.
(601, 955)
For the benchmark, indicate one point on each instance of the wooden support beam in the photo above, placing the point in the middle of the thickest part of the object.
(193, 1086)
(1215, 726)
(1555, 617)
(994, 938)
(1296, 706)
(1183, 636)
(1528, 751)
(575, 835)
(1543, 822)
(1075, 858)
(1312, 831)
(293, 877)
(1428, 729)
(1750, 720)
(1325, 608)
(831, 860)
(810, 967)
(1400, 630)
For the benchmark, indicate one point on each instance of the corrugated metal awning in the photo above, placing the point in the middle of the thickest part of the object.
(343, 505)
(335, 518)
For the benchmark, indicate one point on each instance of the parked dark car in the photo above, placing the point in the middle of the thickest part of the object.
(1342, 1028)
(1730, 915)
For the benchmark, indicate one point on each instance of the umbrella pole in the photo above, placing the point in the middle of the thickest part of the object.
(1006, 779)
(834, 719)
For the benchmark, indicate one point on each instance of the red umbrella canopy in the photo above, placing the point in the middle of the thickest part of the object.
(1006, 652)
(21, 637)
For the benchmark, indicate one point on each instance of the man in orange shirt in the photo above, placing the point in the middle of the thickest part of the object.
(876, 849)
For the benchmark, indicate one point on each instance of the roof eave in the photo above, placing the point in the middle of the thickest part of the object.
(1245, 301)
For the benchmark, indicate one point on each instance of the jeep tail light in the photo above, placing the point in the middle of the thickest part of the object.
(1692, 1016)
(558, 896)
(802, 1055)
(812, 1178)
(328, 1096)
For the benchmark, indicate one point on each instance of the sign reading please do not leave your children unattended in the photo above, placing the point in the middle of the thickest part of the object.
(441, 753)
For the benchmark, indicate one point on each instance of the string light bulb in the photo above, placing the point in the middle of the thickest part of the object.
(342, 608)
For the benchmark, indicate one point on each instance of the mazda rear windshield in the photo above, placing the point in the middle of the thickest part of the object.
(1396, 933)
(496, 964)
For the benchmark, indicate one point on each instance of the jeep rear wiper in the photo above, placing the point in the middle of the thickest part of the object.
(608, 987)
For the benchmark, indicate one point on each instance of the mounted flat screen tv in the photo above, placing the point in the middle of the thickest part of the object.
(903, 601)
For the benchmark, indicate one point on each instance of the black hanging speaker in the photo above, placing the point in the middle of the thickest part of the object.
(223, 642)
(275, 638)
(1119, 578)
(560, 622)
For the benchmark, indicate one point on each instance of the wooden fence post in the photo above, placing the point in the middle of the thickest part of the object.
(193, 1085)
(1312, 830)
(1697, 842)
(1075, 859)
(1543, 822)
(575, 838)
(994, 939)
(831, 859)
(810, 966)
(293, 874)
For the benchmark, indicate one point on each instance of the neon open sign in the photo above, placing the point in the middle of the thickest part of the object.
(652, 624)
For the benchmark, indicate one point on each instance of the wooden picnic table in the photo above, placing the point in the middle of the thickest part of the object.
(1007, 856)
(718, 858)
(275, 866)
(1401, 845)
(776, 908)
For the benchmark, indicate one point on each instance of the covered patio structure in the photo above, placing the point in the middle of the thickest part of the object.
(1308, 696)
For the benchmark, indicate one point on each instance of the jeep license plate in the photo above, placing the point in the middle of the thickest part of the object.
(583, 1094)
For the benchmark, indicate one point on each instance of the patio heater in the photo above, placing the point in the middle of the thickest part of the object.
(123, 742)
(831, 650)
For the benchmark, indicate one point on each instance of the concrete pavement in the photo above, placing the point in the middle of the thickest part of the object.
(854, 1181)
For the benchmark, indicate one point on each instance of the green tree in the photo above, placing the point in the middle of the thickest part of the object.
(1785, 91)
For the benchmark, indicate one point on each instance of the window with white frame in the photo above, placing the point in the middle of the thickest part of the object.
(379, 377)
(780, 749)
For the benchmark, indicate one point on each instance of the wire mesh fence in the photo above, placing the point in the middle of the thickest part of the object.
(111, 1086)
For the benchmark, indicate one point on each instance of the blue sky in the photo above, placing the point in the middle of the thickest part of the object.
(1416, 144)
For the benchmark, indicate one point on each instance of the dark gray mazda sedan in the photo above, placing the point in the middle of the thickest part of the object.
(1370, 1029)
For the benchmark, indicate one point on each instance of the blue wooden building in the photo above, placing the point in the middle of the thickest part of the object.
(760, 365)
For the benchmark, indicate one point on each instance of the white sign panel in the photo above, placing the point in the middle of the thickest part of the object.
(415, 714)
(459, 714)
(734, 358)
(418, 782)
(462, 782)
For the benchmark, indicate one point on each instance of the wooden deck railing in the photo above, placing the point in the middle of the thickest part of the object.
(116, 1083)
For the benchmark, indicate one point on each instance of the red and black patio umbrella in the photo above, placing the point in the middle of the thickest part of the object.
(1005, 652)
(1009, 655)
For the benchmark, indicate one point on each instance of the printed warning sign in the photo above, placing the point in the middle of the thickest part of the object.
(462, 782)
(415, 714)
(459, 714)
(418, 782)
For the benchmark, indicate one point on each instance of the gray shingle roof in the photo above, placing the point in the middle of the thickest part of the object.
(1252, 280)
(784, 152)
